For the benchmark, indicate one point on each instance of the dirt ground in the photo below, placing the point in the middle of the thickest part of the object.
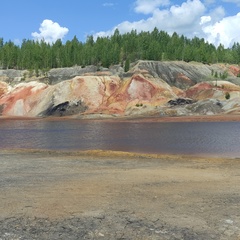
(110, 195)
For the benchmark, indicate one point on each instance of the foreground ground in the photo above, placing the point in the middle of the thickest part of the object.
(105, 195)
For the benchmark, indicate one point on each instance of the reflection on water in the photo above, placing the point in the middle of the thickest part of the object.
(221, 139)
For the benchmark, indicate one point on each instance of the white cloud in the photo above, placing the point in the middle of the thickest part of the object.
(148, 6)
(50, 31)
(191, 18)
(217, 14)
(182, 19)
(185, 16)
(225, 31)
(205, 19)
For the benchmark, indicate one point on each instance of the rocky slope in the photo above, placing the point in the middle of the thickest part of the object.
(148, 89)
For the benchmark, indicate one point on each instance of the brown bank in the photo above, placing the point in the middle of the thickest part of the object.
(114, 195)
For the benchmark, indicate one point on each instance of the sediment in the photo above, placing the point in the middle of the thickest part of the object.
(114, 195)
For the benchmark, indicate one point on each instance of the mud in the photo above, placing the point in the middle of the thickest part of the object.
(113, 195)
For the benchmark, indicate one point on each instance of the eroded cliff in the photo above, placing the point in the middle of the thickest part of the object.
(148, 89)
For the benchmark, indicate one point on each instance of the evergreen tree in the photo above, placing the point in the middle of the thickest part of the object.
(117, 49)
(127, 65)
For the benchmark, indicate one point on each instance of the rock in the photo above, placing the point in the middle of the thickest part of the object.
(234, 70)
(229, 221)
(232, 106)
(178, 74)
(22, 99)
(11, 74)
(65, 109)
(180, 101)
(138, 91)
(184, 75)
(225, 85)
(65, 98)
(57, 75)
(100, 234)
(149, 88)
(200, 91)
(116, 70)
(4, 88)
(209, 90)
(205, 107)
(90, 94)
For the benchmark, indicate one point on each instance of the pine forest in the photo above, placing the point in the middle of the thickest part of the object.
(116, 49)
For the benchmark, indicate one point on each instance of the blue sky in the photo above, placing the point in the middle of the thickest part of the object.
(217, 21)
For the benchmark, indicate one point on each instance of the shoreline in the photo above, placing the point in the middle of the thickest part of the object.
(192, 118)
(98, 153)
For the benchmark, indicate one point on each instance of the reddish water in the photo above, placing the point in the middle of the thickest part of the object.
(198, 138)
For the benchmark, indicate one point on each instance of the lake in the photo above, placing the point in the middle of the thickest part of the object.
(192, 138)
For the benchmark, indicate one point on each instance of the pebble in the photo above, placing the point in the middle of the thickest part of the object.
(229, 221)
(112, 227)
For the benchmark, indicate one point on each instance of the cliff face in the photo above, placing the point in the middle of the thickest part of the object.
(183, 75)
(149, 88)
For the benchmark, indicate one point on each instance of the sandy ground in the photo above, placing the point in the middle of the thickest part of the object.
(110, 195)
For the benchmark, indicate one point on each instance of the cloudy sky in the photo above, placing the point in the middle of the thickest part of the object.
(217, 21)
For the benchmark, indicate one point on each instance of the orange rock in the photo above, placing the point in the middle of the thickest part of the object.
(235, 70)
(15, 102)
(139, 94)
(107, 94)
(184, 80)
(197, 91)
(179, 92)
(139, 90)
(4, 88)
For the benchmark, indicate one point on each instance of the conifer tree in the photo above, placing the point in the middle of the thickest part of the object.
(117, 49)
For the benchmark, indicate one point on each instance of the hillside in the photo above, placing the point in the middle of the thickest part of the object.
(149, 88)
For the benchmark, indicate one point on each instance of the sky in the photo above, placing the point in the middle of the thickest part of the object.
(217, 21)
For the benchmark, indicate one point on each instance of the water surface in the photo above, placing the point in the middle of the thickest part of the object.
(194, 138)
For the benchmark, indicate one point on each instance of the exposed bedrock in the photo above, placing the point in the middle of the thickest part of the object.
(148, 89)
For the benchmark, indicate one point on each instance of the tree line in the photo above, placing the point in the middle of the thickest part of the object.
(116, 49)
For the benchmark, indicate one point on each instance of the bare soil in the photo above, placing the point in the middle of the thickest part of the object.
(113, 195)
